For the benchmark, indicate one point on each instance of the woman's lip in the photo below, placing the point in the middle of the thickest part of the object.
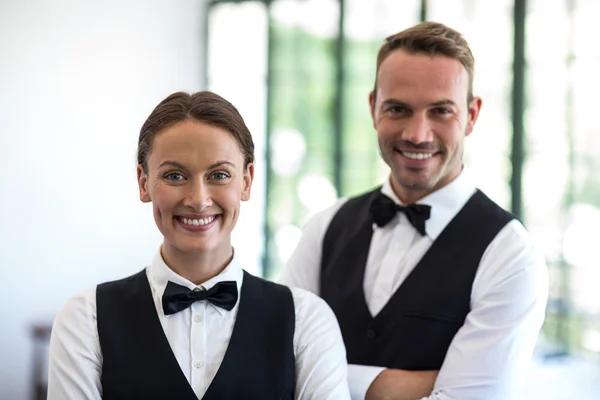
(198, 228)
(196, 216)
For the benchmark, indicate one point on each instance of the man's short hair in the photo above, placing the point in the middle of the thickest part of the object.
(430, 38)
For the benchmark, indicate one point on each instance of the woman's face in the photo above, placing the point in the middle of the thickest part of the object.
(196, 179)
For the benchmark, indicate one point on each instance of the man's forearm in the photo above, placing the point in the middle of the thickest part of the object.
(397, 384)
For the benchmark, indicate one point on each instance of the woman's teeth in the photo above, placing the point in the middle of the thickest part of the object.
(198, 222)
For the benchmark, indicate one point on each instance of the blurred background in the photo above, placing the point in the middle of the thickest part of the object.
(78, 79)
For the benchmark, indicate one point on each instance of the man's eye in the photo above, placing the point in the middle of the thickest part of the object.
(174, 176)
(442, 110)
(397, 109)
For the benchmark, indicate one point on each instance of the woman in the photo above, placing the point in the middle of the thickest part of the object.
(194, 324)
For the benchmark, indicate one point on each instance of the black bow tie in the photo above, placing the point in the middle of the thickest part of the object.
(177, 297)
(383, 209)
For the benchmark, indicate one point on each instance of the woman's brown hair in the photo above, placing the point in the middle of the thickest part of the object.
(204, 106)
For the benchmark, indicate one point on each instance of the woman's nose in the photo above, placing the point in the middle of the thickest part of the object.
(198, 196)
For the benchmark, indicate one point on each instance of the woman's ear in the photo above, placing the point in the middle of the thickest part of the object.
(248, 178)
(142, 179)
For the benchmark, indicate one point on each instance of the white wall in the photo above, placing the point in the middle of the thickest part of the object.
(77, 80)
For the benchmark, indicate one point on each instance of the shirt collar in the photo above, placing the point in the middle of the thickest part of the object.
(160, 274)
(445, 202)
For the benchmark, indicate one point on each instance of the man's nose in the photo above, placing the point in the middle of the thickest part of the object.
(418, 130)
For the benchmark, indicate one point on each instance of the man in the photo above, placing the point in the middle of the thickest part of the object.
(438, 291)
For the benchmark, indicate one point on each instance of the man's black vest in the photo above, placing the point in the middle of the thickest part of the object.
(414, 329)
(138, 362)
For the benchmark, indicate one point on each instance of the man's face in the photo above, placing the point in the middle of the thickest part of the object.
(421, 117)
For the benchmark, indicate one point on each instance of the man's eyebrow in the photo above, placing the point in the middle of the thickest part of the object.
(392, 102)
(445, 102)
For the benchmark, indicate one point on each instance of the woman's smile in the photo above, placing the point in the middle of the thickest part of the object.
(197, 224)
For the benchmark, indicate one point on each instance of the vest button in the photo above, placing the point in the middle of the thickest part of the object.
(371, 333)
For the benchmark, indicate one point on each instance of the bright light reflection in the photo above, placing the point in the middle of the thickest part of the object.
(286, 239)
(579, 251)
(288, 150)
(591, 340)
(316, 193)
(317, 17)
(580, 241)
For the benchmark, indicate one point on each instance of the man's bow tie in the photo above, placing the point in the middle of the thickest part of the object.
(383, 209)
(177, 297)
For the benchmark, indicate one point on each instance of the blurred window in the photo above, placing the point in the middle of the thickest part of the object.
(301, 71)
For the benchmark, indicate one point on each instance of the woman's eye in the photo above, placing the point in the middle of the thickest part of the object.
(174, 176)
(219, 175)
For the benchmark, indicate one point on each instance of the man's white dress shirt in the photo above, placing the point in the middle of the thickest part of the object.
(198, 336)
(508, 297)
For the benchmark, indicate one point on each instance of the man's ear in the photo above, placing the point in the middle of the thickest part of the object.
(248, 178)
(473, 114)
(372, 100)
(142, 179)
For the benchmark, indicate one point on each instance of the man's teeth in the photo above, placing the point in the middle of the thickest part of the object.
(417, 156)
(198, 222)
